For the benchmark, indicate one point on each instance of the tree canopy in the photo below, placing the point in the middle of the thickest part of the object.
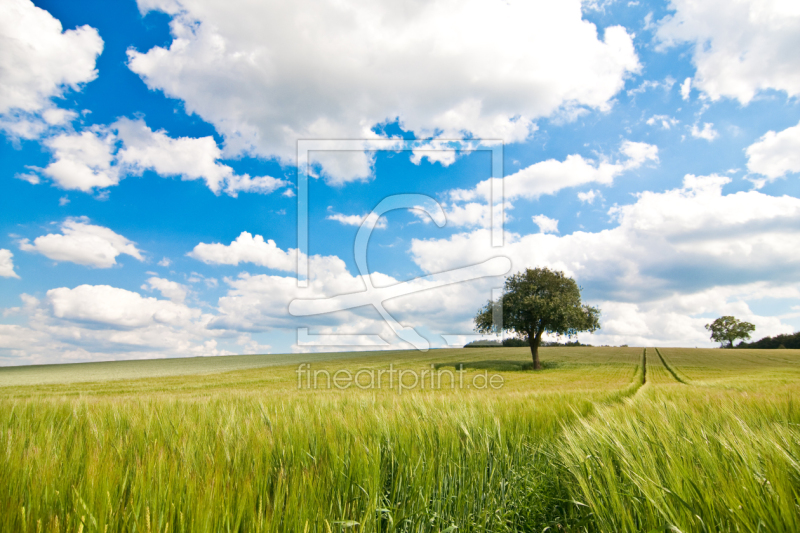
(727, 329)
(538, 301)
(782, 341)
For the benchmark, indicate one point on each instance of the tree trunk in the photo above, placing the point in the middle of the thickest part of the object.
(534, 341)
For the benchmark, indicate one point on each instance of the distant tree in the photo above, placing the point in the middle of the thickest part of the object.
(539, 301)
(781, 342)
(483, 344)
(727, 329)
(515, 342)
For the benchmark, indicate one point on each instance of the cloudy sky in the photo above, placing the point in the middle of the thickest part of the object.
(150, 192)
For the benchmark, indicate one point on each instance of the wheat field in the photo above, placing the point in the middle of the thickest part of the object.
(601, 439)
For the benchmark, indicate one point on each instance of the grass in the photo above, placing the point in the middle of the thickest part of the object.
(602, 439)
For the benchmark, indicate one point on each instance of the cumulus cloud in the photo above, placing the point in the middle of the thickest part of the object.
(673, 257)
(775, 154)
(100, 157)
(251, 346)
(549, 177)
(259, 302)
(694, 227)
(39, 62)
(171, 290)
(111, 306)
(318, 69)
(92, 322)
(708, 132)
(247, 249)
(7, 264)
(675, 243)
(83, 161)
(741, 47)
(100, 322)
(673, 321)
(187, 157)
(546, 224)
(544, 177)
(83, 243)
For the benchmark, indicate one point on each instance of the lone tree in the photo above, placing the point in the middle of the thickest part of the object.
(727, 329)
(536, 301)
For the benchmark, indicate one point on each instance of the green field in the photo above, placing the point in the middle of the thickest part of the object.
(601, 439)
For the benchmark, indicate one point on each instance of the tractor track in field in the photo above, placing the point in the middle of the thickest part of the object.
(670, 369)
(643, 379)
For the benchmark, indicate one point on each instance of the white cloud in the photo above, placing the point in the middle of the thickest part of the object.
(187, 157)
(251, 346)
(100, 322)
(686, 88)
(318, 69)
(741, 47)
(672, 321)
(244, 183)
(549, 177)
(7, 264)
(165, 262)
(39, 62)
(246, 249)
(589, 197)
(775, 154)
(111, 306)
(171, 290)
(99, 158)
(83, 161)
(357, 220)
(31, 178)
(469, 214)
(261, 302)
(546, 224)
(676, 244)
(673, 255)
(708, 132)
(84, 244)
(545, 177)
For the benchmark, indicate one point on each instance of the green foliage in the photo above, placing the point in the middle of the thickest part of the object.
(535, 302)
(515, 342)
(540, 301)
(726, 329)
(778, 342)
(482, 344)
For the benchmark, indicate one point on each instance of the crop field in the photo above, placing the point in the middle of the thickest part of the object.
(601, 439)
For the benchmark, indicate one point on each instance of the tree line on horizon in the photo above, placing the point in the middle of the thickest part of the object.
(539, 301)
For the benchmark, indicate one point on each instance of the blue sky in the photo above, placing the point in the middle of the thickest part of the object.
(650, 149)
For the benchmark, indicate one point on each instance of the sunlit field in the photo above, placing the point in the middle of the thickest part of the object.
(601, 439)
